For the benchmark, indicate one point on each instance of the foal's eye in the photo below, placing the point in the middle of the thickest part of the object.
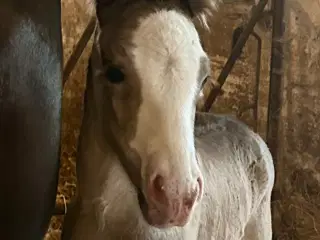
(114, 74)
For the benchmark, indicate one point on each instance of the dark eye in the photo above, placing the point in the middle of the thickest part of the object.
(114, 74)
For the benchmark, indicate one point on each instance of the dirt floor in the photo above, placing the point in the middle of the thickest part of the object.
(238, 95)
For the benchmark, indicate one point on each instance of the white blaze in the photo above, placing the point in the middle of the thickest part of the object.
(167, 59)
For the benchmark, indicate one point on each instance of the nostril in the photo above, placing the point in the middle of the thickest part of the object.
(188, 203)
(158, 183)
(157, 190)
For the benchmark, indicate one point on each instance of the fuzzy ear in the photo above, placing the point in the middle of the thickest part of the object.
(92, 7)
(108, 10)
(201, 10)
(103, 9)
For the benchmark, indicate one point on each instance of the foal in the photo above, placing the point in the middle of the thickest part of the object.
(144, 76)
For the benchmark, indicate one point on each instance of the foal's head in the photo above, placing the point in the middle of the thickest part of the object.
(153, 69)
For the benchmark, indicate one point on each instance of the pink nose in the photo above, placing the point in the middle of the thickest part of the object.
(170, 202)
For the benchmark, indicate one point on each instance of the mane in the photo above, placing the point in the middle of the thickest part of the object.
(202, 10)
(199, 10)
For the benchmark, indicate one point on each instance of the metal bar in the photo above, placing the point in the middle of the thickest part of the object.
(74, 58)
(257, 84)
(276, 72)
(235, 53)
(81, 45)
(60, 209)
(253, 106)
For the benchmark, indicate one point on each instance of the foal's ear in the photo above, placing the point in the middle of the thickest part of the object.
(104, 9)
(201, 9)
(108, 10)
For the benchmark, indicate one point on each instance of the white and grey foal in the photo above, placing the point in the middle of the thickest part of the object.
(150, 167)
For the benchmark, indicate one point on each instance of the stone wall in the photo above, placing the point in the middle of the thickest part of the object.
(297, 206)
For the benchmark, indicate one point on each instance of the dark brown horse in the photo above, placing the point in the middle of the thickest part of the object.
(30, 115)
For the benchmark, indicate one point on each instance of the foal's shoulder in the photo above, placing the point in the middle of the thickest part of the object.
(229, 132)
(209, 123)
(238, 140)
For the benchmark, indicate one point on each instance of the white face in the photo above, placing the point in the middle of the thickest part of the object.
(171, 65)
